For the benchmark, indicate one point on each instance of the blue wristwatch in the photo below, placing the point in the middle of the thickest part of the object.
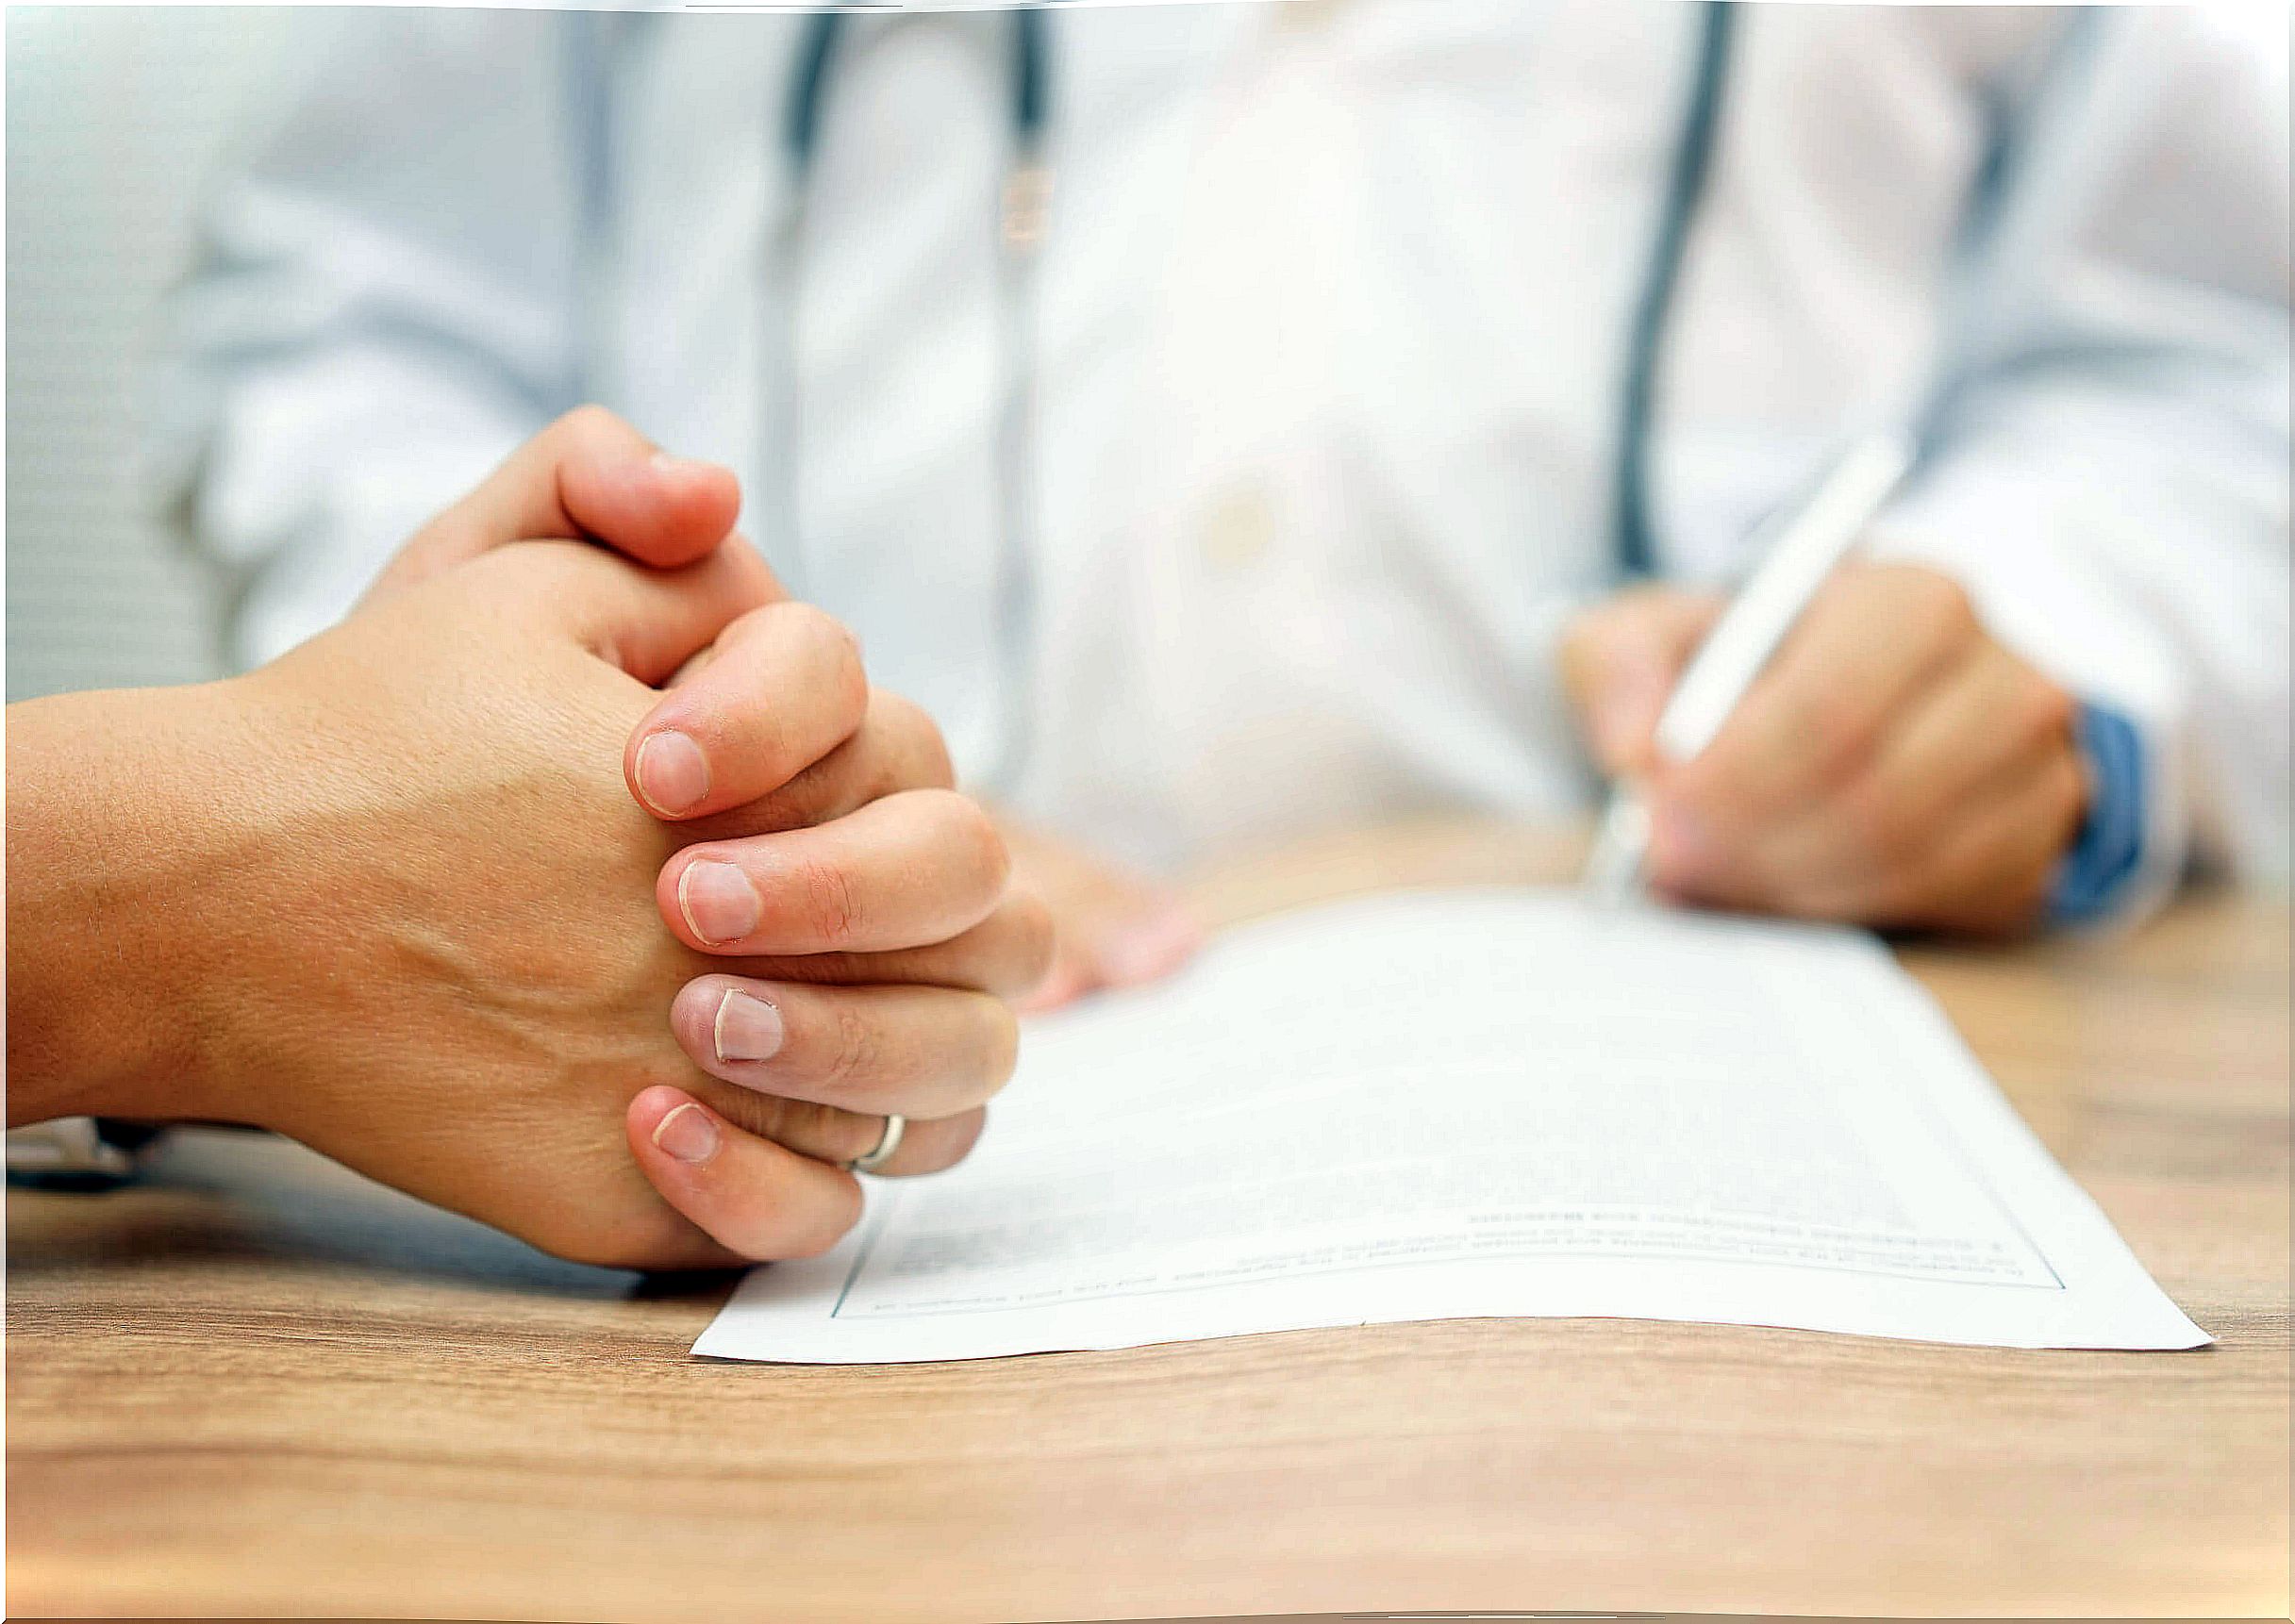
(2108, 852)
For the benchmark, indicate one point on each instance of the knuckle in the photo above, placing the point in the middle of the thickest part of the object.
(1577, 633)
(540, 581)
(1786, 894)
(1034, 937)
(2069, 795)
(826, 1133)
(1942, 601)
(1638, 607)
(764, 1116)
(919, 751)
(2047, 709)
(551, 564)
(1837, 724)
(1883, 904)
(845, 679)
(953, 1140)
(812, 639)
(853, 1052)
(973, 1127)
(809, 1127)
(1875, 822)
(988, 849)
(828, 638)
(1591, 630)
(972, 844)
(1001, 1043)
(848, 694)
(1909, 898)
(827, 903)
(589, 421)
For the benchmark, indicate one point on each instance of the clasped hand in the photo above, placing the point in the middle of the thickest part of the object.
(604, 901)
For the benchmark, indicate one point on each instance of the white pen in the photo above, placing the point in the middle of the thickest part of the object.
(1797, 546)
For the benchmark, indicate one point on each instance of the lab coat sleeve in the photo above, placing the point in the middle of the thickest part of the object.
(383, 304)
(2112, 483)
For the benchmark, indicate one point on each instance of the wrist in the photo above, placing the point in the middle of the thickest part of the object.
(110, 855)
(2101, 864)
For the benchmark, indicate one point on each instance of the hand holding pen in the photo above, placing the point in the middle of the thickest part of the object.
(1839, 741)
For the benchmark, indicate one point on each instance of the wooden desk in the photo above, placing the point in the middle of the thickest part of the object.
(261, 1385)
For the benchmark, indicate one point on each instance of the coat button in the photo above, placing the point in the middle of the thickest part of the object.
(1239, 529)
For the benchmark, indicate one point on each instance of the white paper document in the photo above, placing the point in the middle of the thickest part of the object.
(1436, 1104)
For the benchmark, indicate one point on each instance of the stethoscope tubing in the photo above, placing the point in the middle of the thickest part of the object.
(1020, 206)
(2000, 220)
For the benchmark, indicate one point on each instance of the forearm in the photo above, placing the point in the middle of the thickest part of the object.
(105, 846)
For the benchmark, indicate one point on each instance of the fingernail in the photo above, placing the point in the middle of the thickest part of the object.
(1148, 950)
(719, 902)
(688, 1134)
(747, 1028)
(673, 774)
(665, 463)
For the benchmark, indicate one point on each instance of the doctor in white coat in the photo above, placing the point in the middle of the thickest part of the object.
(1236, 420)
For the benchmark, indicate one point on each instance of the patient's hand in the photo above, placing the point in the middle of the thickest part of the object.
(720, 758)
(391, 895)
(1895, 766)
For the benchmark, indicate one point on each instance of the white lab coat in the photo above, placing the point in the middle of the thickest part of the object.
(1330, 321)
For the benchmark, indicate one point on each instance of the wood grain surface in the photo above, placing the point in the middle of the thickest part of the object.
(260, 1385)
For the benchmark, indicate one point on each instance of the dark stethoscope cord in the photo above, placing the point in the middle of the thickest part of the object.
(824, 34)
(1635, 547)
(1635, 532)
(1635, 550)
(1024, 200)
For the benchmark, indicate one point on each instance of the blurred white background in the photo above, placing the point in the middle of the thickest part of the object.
(115, 118)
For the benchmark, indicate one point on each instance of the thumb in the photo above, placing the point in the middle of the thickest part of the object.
(647, 622)
(588, 476)
(1620, 662)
